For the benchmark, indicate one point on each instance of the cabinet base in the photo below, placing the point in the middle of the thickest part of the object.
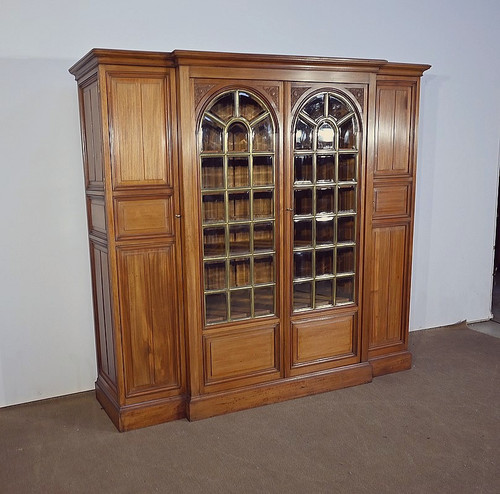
(131, 417)
(387, 364)
(209, 405)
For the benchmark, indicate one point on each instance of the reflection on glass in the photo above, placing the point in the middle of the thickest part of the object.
(237, 172)
(237, 137)
(325, 231)
(213, 208)
(264, 300)
(239, 272)
(263, 136)
(347, 199)
(325, 200)
(302, 265)
(315, 108)
(302, 295)
(263, 270)
(263, 237)
(325, 168)
(212, 173)
(336, 108)
(215, 275)
(324, 293)
(211, 136)
(263, 170)
(345, 290)
(224, 107)
(216, 308)
(326, 136)
(239, 206)
(324, 262)
(302, 233)
(213, 242)
(303, 168)
(347, 137)
(263, 204)
(303, 135)
(241, 304)
(347, 167)
(345, 260)
(303, 201)
(249, 107)
(239, 239)
(345, 229)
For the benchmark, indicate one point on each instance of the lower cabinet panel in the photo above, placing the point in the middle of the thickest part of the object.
(242, 354)
(324, 343)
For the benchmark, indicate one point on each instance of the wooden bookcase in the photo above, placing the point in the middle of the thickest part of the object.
(250, 223)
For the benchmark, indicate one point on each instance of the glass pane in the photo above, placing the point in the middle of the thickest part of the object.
(213, 208)
(263, 237)
(303, 135)
(324, 293)
(315, 108)
(302, 265)
(336, 108)
(324, 262)
(345, 260)
(325, 200)
(347, 167)
(263, 136)
(303, 201)
(237, 172)
(240, 304)
(263, 170)
(212, 173)
(263, 269)
(239, 239)
(216, 307)
(237, 138)
(303, 168)
(264, 300)
(302, 233)
(214, 242)
(326, 136)
(249, 107)
(215, 275)
(239, 272)
(347, 138)
(302, 295)
(347, 199)
(345, 229)
(324, 231)
(345, 290)
(263, 204)
(211, 136)
(239, 206)
(224, 107)
(325, 168)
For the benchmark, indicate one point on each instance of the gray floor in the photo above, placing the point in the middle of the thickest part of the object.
(491, 327)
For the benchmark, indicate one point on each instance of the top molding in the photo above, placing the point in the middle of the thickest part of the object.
(99, 56)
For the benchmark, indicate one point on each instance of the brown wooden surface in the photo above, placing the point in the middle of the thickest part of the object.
(158, 362)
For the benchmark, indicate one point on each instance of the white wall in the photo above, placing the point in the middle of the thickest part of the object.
(46, 330)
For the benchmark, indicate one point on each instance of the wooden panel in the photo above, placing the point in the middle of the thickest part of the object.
(387, 293)
(241, 354)
(315, 340)
(97, 215)
(92, 135)
(148, 290)
(138, 131)
(144, 217)
(393, 130)
(390, 201)
(103, 315)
